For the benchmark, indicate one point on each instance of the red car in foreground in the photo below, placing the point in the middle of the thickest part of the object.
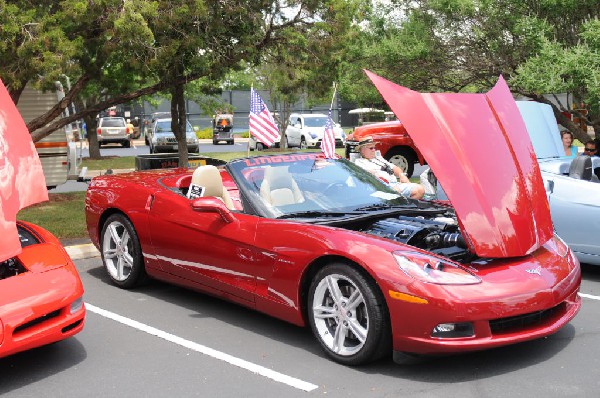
(41, 295)
(321, 242)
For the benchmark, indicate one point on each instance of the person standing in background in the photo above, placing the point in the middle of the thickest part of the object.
(567, 141)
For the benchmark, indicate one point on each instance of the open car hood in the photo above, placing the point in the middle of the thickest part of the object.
(477, 146)
(22, 180)
(542, 128)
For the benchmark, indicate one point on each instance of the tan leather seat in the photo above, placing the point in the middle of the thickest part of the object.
(209, 177)
(279, 188)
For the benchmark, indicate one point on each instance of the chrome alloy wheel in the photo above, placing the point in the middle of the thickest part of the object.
(117, 250)
(340, 315)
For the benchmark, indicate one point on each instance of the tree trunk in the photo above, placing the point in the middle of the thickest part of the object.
(92, 136)
(178, 122)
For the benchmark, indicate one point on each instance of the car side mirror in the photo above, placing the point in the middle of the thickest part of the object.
(211, 204)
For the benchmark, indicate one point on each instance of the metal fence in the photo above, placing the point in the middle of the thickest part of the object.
(240, 101)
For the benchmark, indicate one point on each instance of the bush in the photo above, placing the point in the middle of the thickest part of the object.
(206, 133)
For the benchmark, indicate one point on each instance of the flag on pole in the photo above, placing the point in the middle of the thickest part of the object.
(262, 125)
(328, 142)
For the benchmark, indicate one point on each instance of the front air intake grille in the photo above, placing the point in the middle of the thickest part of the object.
(37, 321)
(520, 322)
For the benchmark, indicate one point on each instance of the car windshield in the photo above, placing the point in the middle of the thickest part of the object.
(164, 126)
(113, 123)
(315, 121)
(295, 184)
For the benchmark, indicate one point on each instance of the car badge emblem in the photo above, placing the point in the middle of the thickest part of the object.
(537, 270)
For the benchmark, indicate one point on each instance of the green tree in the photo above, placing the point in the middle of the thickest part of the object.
(464, 45)
(122, 50)
(306, 61)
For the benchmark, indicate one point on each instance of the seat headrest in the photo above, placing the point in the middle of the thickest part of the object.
(581, 168)
(278, 177)
(208, 177)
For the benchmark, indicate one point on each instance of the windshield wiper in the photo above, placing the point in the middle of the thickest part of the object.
(318, 214)
(383, 206)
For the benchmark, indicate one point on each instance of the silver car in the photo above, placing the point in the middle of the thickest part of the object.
(162, 139)
(113, 130)
(573, 190)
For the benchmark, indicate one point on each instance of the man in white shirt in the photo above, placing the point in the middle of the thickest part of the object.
(386, 171)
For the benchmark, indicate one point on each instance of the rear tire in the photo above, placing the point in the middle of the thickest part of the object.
(348, 315)
(403, 158)
(126, 144)
(121, 252)
(260, 146)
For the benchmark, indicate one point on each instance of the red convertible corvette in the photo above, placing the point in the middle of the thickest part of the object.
(41, 295)
(320, 242)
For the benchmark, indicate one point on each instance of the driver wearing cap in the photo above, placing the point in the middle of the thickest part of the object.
(391, 174)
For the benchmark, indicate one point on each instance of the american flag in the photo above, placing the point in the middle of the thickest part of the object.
(262, 125)
(328, 143)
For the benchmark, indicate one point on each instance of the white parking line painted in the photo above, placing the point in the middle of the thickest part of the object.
(252, 367)
(589, 296)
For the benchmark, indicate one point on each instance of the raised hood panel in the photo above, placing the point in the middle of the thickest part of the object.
(477, 146)
(542, 128)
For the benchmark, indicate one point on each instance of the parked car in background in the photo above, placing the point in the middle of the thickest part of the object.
(572, 188)
(306, 130)
(223, 128)
(254, 144)
(162, 139)
(113, 130)
(149, 121)
(393, 141)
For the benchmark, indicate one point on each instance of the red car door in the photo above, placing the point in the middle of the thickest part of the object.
(203, 249)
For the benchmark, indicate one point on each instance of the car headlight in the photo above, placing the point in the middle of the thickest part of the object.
(432, 270)
(313, 135)
(76, 305)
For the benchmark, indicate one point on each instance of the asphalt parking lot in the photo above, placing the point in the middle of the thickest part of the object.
(163, 340)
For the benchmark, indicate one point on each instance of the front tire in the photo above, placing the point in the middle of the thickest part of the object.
(121, 252)
(260, 146)
(303, 144)
(348, 315)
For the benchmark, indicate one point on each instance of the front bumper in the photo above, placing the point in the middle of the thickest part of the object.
(40, 311)
(499, 315)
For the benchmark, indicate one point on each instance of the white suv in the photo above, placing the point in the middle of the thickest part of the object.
(113, 130)
(306, 130)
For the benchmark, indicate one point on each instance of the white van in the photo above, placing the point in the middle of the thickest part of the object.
(57, 154)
